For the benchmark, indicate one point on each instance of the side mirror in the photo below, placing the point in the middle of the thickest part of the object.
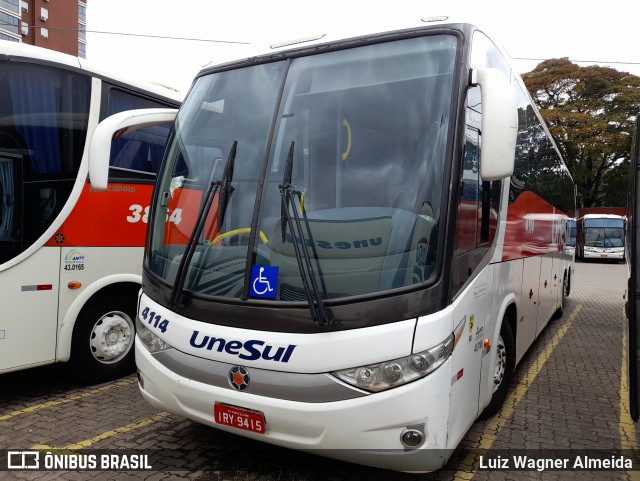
(499, 123)
(113, 127)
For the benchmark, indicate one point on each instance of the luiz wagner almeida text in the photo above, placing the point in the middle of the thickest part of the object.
(577, 462)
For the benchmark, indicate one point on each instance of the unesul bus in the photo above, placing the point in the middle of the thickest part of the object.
(373, 233)
(70, 256)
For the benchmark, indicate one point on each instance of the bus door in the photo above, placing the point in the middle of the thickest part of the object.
(472, 241)
(45, 112)
(633, 263)
(10, 214)
(30, 290)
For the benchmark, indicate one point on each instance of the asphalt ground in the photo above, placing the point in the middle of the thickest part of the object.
(568, 400)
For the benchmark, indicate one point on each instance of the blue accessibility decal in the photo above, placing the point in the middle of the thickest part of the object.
(264, 281)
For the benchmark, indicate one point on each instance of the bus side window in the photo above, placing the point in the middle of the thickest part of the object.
(478, 201)
(469, 203)
(44, 114)
(136, 155)
(467, 254)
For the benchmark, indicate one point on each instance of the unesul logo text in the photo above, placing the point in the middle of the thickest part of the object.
(250, 350)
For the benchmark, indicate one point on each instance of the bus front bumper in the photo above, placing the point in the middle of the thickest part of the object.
(365, 430)
(596, 253)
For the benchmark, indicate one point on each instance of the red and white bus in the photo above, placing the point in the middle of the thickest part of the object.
(372, 234)
(70, 257)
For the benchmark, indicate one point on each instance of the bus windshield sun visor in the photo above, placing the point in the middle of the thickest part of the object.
(225, 189)
(320, 314)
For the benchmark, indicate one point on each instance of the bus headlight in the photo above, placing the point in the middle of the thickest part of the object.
(389, 374)
(149, 340)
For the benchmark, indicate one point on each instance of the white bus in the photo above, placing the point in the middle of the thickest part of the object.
(373, 234)
(70, 256)
(601, 236)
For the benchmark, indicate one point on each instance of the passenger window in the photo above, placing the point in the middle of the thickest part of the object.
(137, 154)
(478, 201)
(44, 114)
(470, 195)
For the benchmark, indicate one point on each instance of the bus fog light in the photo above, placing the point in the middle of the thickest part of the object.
(411, 438)
(396, 372)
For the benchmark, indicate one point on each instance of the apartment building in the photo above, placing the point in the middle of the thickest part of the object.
(55, 24)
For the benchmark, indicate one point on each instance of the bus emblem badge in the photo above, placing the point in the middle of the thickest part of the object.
(239, 378)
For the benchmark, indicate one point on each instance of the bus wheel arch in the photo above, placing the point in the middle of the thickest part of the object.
(104, 333)
(502, 370)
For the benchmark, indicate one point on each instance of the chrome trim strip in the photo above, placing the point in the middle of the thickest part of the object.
(311, 388)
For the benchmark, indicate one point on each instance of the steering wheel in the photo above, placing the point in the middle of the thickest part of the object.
(235, 232)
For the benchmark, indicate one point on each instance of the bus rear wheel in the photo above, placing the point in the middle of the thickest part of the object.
(566, 285)
(503, 370)
(102, 345)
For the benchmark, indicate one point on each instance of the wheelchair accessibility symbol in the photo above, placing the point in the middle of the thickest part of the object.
(264, 280)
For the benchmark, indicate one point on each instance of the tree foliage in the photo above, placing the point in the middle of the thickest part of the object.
(590, 112)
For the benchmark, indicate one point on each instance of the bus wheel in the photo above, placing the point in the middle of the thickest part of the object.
(102, 345)
(566, 285)
(503, 370)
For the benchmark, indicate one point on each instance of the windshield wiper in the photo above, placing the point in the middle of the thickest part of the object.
(225, 189)
(320, 314)
(205, 206)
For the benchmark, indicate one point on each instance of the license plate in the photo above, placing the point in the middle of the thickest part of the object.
(238, 417)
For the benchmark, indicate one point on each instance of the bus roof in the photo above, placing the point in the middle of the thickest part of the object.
(369, 27)
(10, 49)
(327, 34)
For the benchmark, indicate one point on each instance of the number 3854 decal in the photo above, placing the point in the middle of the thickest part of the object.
(139, 213)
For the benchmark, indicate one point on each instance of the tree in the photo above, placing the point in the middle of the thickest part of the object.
(590, 112)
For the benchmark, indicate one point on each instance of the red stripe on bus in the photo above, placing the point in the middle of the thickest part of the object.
(113, 218)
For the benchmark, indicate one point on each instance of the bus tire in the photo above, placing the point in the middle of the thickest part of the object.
(503, 370)
(102, 344)
(564, 293)
(566, 285)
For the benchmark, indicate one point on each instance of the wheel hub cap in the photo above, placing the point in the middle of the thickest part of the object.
(111, 337)
(501, 364)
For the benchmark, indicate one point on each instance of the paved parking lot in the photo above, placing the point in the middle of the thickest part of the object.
(569, 394)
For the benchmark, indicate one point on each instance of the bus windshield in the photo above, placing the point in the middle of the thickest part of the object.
(364, 131)
(604, 237)
(604, 233)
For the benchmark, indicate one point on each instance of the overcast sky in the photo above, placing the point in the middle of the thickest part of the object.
(593, 30)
